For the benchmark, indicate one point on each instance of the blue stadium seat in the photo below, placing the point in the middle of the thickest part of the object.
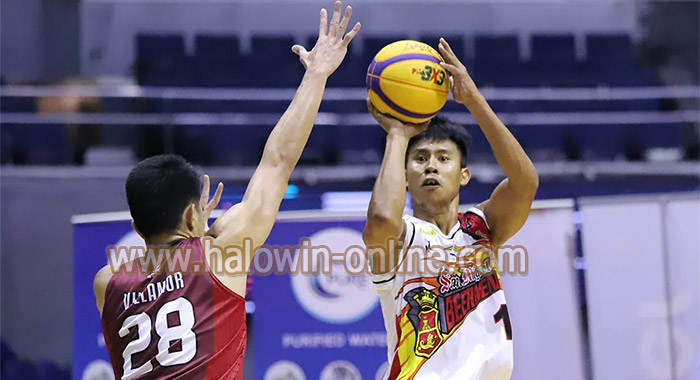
(218, 61)
(630, 77)
(320, 149)
(360, 144)
(497, 62)
(149, 46)
(344, 106)
(613, 60)
(237, 145)
(610, 51)
(553, 51)
(36, 144)
(271, 63)
(661, 135)
(161, 61)
(498, 51)
(17, 104)
(540, 141)
(553, 60)
(602, 142)
(224, 48)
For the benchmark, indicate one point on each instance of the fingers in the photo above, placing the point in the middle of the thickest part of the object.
(351, 34)
(371, 108)
(301, 52)
(452, 69)
(298, 50)
(345, 21)
(204, 197)
(323, 27)
(217, 197)
(335, 20)
(447, 52)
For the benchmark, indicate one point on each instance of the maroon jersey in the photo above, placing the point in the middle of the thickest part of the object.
(174, 325)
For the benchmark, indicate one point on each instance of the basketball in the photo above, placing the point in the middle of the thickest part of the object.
(405, 80)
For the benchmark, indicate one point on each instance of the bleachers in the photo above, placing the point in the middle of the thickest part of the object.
(496, 61)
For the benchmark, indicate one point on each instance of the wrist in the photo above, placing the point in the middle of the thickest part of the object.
(474, 99)
(316, 74)
(398, 134)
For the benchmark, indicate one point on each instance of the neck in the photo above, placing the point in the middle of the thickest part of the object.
(167, 238)
(443, 216)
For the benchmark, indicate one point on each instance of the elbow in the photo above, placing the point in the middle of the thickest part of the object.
(534, 181)
(531, 184)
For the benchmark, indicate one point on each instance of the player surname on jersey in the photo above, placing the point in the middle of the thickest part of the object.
(154, 290)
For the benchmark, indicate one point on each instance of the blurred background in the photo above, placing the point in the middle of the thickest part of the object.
(603, 95)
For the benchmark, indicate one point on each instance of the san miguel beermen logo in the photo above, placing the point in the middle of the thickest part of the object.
(424, 317)
(434, 317)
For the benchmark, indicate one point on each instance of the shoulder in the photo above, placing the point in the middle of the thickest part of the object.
(100, 286)
(473, 222)
(102, 279)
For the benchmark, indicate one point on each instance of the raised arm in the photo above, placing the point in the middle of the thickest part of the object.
(509, 205)
(254, 216)
(384, 216)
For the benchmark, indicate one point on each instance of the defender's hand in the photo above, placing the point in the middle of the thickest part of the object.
(209, 205)
(332, 43)
(463, 87)
(392, 125)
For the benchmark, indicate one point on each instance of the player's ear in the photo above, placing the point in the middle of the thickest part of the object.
(465, 176)
(133, 225)
(190, 215)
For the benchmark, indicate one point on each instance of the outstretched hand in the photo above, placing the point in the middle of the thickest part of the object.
(209, 205)
(332, 43)
(463, 86)
(392, 125)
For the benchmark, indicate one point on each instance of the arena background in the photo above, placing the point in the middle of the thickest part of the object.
(603, 95)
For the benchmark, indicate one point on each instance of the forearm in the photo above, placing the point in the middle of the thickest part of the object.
(510, 155)
(389, 194)
(287, 140)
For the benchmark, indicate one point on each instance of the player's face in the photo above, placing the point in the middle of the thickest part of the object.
(433, 171)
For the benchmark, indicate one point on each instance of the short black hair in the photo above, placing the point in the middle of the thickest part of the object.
(441, 129)
(158, 190)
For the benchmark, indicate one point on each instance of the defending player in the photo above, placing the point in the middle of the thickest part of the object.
(180, 325)
(452, 323)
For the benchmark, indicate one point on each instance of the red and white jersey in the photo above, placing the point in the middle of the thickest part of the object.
(174, 325)
(451, 321)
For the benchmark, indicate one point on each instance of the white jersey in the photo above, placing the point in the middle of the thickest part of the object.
(448, 320)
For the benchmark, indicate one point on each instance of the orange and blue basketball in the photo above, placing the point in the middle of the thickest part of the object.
(405, 80)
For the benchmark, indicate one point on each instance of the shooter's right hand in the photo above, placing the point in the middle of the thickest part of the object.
(395, 126)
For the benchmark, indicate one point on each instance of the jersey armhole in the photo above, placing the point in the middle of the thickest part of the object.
(480, 214)
(213, 275)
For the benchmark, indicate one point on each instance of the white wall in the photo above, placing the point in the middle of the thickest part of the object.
(642, 285)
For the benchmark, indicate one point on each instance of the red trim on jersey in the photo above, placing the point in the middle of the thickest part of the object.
(474, 225)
